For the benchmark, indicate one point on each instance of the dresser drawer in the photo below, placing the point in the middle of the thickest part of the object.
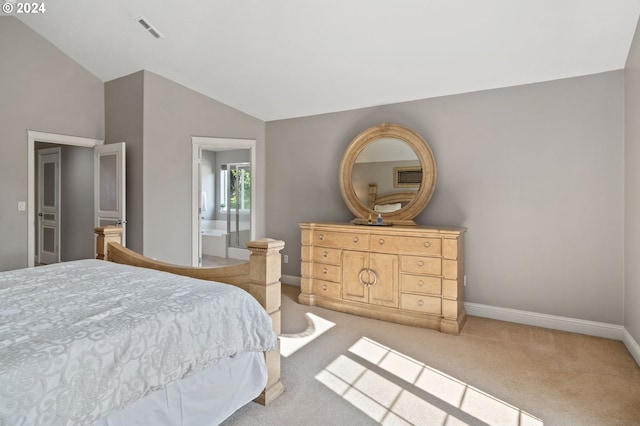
(421, 265)
(326, 272)
(326, 255)
(346, 240)
(420, 303)
(420, 284)
(326, 289)
(408, 245)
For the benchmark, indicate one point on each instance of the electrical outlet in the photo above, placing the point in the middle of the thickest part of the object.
(285, 258)
(465, 280)
(22, 206)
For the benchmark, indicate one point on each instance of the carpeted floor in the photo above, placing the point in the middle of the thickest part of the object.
(359, 371)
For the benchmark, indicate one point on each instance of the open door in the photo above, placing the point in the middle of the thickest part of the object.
(109, 186)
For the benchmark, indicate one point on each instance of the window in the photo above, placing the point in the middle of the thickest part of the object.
(235, 186)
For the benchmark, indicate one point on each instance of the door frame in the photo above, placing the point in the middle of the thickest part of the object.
(197, 144)
(32, 138)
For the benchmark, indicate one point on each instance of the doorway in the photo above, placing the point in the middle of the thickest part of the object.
(86, 181)
(222, 199)
(79, 240)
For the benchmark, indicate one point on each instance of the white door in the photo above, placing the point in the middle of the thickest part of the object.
(48, 246)
(109, 186)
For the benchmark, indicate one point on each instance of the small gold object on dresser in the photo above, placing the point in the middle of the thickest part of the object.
(410, 275)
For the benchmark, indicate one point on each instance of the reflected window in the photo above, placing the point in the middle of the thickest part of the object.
(235, 187)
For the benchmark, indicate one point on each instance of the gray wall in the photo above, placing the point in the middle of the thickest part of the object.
(172, 115)
(632, 191)
(41, 89)
(157, 117)
(50, 92)
(124, 123)
(534, 172)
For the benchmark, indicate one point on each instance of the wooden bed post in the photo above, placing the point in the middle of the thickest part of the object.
(106, 235)
(265, 287)
(373, 191)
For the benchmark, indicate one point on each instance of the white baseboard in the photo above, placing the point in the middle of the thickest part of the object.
(573, 325)
(632, 345)
(591, 328)
(290, 280)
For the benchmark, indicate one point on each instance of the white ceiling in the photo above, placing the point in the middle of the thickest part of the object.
(276, 59)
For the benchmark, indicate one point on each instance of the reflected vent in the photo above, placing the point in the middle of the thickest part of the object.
(147, 26)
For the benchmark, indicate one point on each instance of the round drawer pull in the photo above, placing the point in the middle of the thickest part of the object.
(381, 241)
(420, 263)
(420, 302)
(356, 239)
(324, 287)
(427, 244)
(420, 283)
(321, 237)
(325, 270)
(325, 253)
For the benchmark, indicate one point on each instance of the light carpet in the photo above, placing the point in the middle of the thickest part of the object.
(359, 371)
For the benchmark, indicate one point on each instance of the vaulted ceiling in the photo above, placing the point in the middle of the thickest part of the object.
(280, 59)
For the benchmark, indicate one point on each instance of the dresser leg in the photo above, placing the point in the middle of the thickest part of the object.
(307, 299)
(450, 326)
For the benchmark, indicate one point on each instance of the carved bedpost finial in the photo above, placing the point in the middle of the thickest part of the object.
(106, 235)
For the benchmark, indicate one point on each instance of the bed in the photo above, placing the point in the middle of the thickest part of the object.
(126, 340)
(390, 202)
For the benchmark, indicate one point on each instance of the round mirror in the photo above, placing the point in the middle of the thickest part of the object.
(389, 170)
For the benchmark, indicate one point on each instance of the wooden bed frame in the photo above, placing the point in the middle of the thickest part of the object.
(260, 277)
(402, 197)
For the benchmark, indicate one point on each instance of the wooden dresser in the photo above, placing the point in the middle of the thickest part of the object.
(410, 275)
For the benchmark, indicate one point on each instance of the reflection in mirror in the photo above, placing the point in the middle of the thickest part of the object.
(235, 202)
(377, 164)
(385, 165)
(225, 200)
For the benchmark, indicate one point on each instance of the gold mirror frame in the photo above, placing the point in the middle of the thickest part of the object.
(405, 215)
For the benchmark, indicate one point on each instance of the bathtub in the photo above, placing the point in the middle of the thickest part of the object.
(214, 238)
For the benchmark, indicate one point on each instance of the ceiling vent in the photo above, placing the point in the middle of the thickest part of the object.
(147, 26)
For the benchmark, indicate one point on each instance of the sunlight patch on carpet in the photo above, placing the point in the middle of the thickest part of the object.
(289, 343)
(400, 390)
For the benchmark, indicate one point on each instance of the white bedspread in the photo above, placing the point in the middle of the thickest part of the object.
(79, 340)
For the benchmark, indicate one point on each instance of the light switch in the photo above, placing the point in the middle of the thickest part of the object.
(22, 206)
